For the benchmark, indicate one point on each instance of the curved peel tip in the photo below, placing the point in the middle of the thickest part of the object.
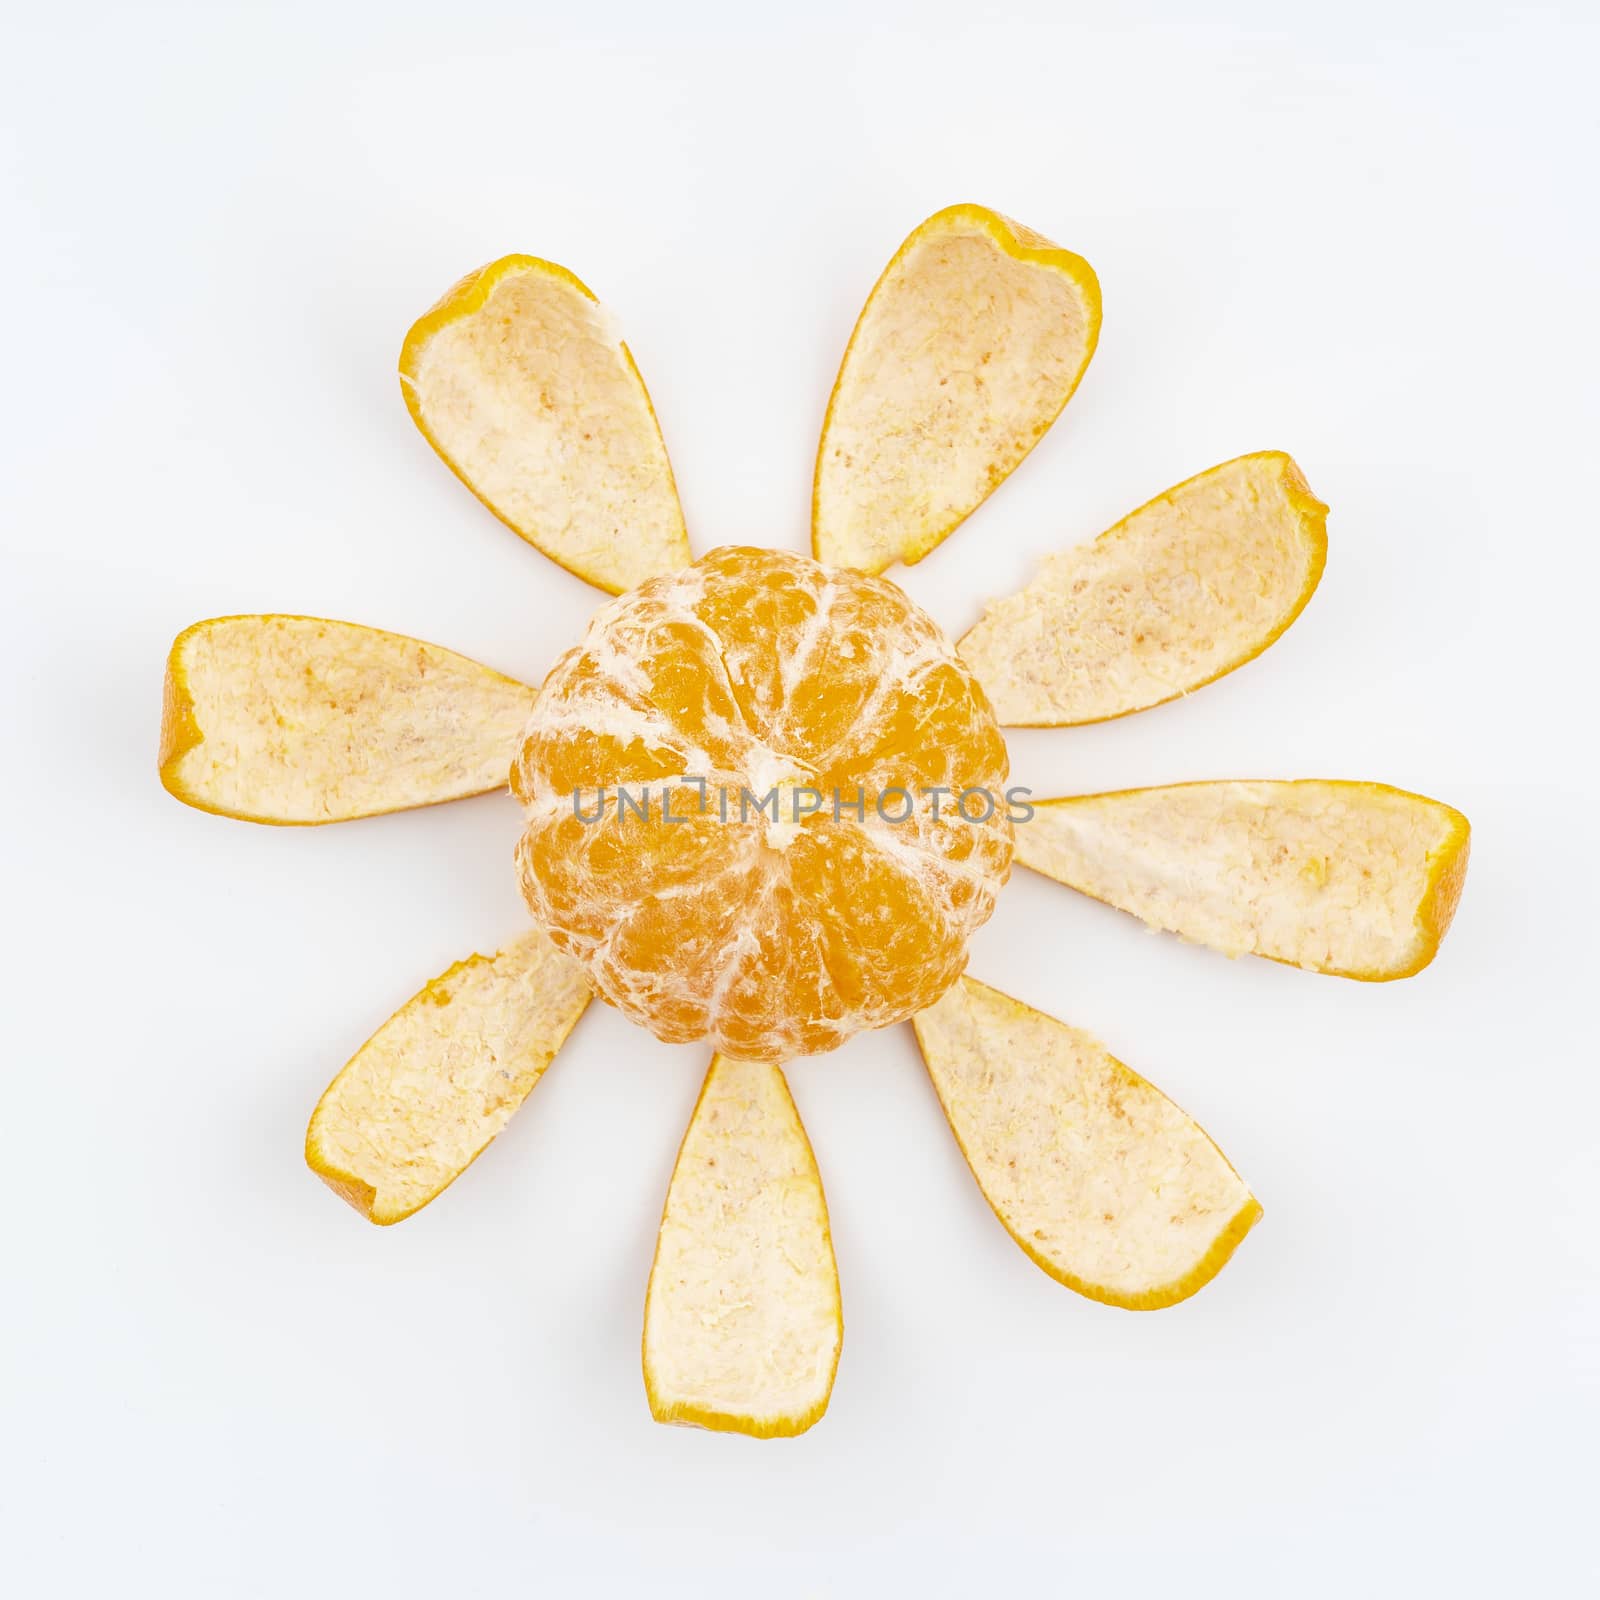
(743, 1327)
(1103, 1182)
(521, 384)
(180, 733)
(356, 1193)
(1193, 585)
(423, 1098)
(685, 1414)
(1356, 880)
(969, 346)
(1447, 878)
(292, 721)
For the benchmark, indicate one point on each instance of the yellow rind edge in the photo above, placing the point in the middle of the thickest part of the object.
(1020, 242)
(464, 299)
(681, 1413)
(180, 733)
(1314, 529)
(357, 1192)
(1161, 1296)
(1436, 908)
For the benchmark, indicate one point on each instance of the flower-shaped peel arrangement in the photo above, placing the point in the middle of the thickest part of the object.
(766, 800)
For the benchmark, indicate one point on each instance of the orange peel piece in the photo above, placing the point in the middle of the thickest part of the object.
(1176, 595)
(298, 720)
(969, 346)
(520, 381)
(1101, 1179)
(742, 1325)
(1356, 879)
(420, 1101)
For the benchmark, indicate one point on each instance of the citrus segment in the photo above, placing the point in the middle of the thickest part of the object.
(1356, 879)
(521, 383)
(1105, 1183)
(742, 1326)
(299, 720)
(423, 1097)
(1183, 591)
(967, 349)
(731, 817)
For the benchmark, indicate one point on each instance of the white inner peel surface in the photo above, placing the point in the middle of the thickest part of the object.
(742, 1324)
(304, 720)
(1326, 875)
(437, 1082)
(1094, 1172)
(535, 403)
(1181, 591)
(963, 358)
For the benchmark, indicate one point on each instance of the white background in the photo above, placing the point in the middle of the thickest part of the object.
(1365, 235)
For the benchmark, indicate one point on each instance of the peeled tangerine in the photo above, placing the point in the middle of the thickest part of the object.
(1356, 879)
(298, 720)
(423, 1097)
(1105, 1183)
(520, 381)
(1184, 590)
(742, 1326)
(967, 349)
(774, 930)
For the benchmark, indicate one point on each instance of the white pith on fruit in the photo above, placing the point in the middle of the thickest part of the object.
(667, 685)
